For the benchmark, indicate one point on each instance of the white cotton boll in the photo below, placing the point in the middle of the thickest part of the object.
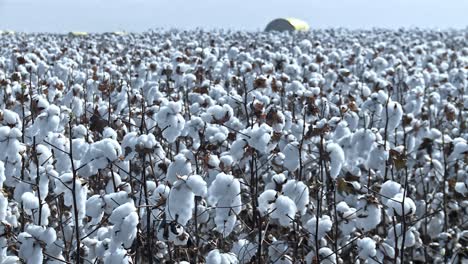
(369, 214)
(284, 209)
(337, 159)
(216, 257)
(30, 201)
(95, 208)
(3, 207)
(121, 212)
(119, 256)
(377, 157)
(179, 167)
(291, 154)
(389, 189)
(125, 220)
(395, 113)
(276, 250)
(460, 148)
(180, 203)
(347, 218)
(109, 133)
(325, 254)
(410, 238)
(395, 205)
(2, 173)
(197, 185)
(266, 201)
(170, 121)
(80, 147)
(245, 250)
(237, 149)
(362, 141)
(11, 119)
(259, 137)
(324, 225)
(461, 188)
(299, 193)
(366, 248)
(224, 193)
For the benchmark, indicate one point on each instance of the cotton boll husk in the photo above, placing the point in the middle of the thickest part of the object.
(337, 159)
(284, 209)
(299, 193)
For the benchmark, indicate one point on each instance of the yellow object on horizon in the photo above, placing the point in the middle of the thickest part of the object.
(298, 24)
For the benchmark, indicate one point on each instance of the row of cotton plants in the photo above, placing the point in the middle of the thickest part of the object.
(331, 146)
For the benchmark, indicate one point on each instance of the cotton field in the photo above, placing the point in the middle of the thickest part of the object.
(328, 146)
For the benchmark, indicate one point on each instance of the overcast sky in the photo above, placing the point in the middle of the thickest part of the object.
(141, 15)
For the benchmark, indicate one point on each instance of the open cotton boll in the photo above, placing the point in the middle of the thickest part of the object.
(337, 159)
(391, 116)
(170, 121)
(180, 203)
(11, 119)
(368, 212)
(117, 256)
(366, 248)
(347, 218)
(245, 250)
(224, 193)
(362, 141)
(388, 190)
(395, 205)
(30, 250)
(291, 156)
(2, 173)
(299, 193)
(125, 220)
(284, 209)
(30, 201)
(461, 188)
(216, 257)
(410, 237)
(266, 201)
(179, 167)
(259, 137)
(197, 185)
(324, 225)
(325, 255)
(237, 149)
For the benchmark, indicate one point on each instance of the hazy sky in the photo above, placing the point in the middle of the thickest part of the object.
(140, 15)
